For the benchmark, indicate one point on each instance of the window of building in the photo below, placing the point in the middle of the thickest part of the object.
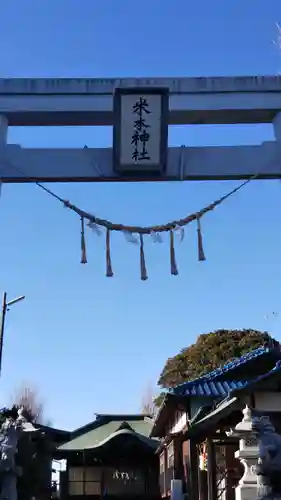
(162, 462)
(84, 481)
(170, 455)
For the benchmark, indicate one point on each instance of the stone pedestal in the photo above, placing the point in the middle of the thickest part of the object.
(176, 489)
(248, 455)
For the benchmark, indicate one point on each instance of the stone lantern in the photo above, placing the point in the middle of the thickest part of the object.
(248, 454)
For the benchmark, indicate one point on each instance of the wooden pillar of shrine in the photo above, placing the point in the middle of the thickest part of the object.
(203, 484)
(193, 486)
(211, 470)
(178, 458)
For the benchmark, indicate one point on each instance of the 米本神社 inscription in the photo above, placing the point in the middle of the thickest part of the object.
(141, 135)
(140, 129)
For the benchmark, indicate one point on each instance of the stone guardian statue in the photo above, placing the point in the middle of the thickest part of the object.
(269, 465)
(10, 432)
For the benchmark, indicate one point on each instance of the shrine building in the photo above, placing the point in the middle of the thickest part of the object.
(111, 457)
(196, 452)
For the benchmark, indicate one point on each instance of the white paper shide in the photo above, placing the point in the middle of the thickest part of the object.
(140, 130)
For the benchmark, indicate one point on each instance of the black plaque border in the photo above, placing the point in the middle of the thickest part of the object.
(132, 168)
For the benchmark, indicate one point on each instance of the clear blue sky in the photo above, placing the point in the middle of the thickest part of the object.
(92, 344)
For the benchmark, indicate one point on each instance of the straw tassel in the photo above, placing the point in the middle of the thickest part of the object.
(201, 255)
(142, 261)
(174, 269)
(109, 272)
(83, 243)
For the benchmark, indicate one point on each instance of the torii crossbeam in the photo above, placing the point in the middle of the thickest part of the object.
(62, 102)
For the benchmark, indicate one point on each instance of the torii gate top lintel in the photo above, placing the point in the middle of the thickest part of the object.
(49, 98)
(140, 141)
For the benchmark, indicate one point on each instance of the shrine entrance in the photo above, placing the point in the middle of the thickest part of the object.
(140, 112)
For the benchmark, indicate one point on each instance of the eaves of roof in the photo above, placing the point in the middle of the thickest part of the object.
(214, 388)
(186, 388)
(89, 441)
(233, 401)
(221, 411)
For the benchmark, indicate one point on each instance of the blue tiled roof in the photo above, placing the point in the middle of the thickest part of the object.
(212, 388)
(264, 376)
(206, 385)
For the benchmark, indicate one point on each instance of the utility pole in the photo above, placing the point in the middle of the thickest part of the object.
(4, 309)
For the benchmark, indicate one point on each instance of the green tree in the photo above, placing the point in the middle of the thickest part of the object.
(210, 351)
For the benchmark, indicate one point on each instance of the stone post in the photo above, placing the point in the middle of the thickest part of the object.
(248, 455)
(3, 131)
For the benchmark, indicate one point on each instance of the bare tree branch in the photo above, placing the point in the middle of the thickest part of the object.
(148, 406)
(27, 396)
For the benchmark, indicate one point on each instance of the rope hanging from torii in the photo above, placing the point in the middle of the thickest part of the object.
(136, 234)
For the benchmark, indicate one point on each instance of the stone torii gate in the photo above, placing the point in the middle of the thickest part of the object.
(170, 101)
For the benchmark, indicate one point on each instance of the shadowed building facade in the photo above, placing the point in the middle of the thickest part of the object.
(111, 457)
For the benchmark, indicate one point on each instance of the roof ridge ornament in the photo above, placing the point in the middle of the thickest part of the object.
(125, 426)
